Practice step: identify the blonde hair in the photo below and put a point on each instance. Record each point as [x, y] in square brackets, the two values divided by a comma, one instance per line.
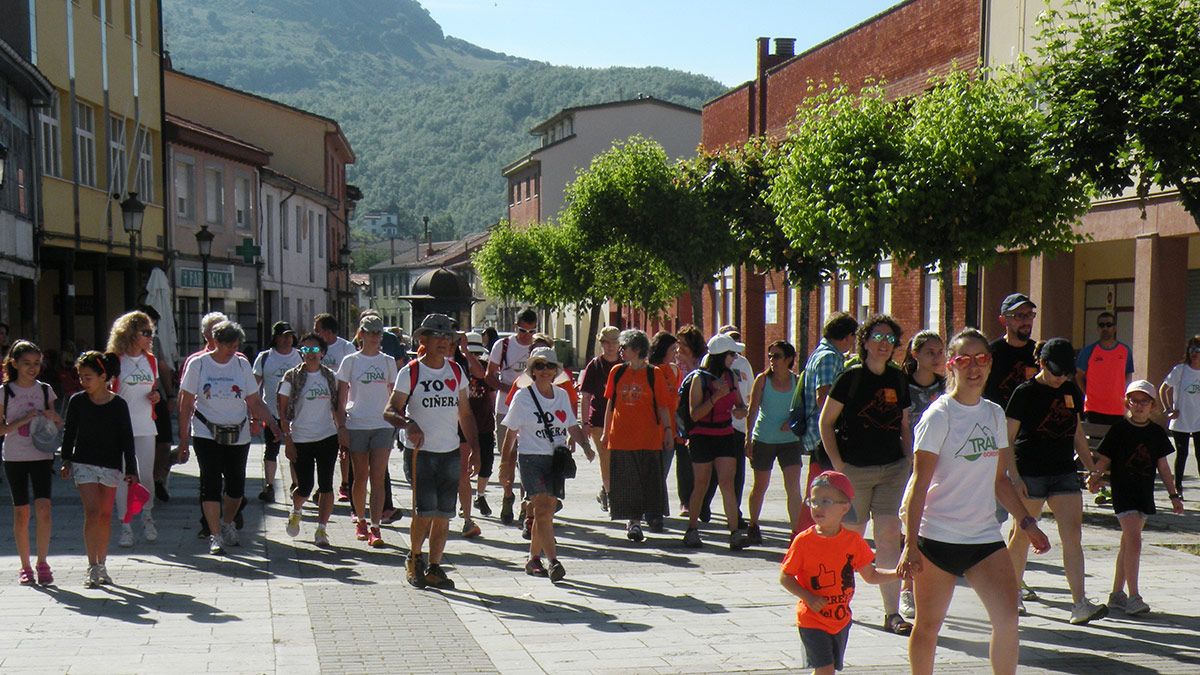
[123, 335]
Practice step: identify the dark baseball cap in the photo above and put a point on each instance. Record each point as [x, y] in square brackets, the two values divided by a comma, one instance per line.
[1059, 356]
[1014, 301]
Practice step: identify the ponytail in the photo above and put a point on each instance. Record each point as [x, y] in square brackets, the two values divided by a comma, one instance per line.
[106, 365]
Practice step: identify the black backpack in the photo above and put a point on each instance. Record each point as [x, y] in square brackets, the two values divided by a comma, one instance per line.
[683, 410]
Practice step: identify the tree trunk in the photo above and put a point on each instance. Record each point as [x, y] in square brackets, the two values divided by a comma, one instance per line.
[593, 330]
[948, 274]
[805, 308]
[697, 297]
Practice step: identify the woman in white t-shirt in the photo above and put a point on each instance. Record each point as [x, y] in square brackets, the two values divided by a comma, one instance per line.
[307, 404]
[365, 382]
[217, 396]
[269, 367]
[536, 411]
[132, 339]
[1180, 396]
[959, 445]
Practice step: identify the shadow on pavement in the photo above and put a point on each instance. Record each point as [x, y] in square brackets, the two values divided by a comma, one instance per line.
[638, 596]
[132, 605]
[550, 612]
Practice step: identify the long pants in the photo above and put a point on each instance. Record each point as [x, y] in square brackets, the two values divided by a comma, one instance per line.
[1181, 454]
[143, 449]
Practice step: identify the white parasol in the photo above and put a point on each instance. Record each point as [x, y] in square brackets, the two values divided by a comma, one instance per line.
[158, 296]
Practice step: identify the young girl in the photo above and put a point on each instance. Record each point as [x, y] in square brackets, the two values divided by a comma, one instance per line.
[770, 439]
[97, 443]
[1133, 449]
[925, 365]
[24, 399]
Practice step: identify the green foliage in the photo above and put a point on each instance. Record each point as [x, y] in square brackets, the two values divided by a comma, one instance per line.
[634, 276]
[1121, 82]
[431, 118]
[507, 263]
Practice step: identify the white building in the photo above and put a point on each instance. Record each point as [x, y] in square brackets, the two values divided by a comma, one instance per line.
[295, 250]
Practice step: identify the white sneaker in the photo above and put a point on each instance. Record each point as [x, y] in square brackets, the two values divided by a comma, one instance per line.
[1117, 600]
[1135, 606]
[149, 531]
[908, 609]
[293, 524]
[1021, 611]
[91, 581]
[321, 538]
[102, 575]
[215, 545]
[126, 539]
[1085, 610]
[229, 535]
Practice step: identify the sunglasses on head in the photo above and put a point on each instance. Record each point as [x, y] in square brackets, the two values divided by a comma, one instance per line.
[880, 337]
[310, 350]
[963, 361]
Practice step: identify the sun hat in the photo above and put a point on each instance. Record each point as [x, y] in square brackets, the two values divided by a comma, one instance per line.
[721, 344]
[436, 323]
[475, 344]
[608, 333]
[1142, 386]
[549, 356]
[371, 324]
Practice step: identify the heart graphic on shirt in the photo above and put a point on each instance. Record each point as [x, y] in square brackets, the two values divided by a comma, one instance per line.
[561, 415]
[451, 383]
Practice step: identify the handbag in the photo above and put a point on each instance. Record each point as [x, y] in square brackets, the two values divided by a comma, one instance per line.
[563, 463]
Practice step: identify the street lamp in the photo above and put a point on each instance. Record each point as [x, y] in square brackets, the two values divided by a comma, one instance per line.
[132, 212]
[345, 256]
[204, 240]
[3, 161]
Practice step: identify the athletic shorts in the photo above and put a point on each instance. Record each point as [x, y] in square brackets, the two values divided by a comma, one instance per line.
[765, 455]
[1041, 487]
[705, 449]
[436, 483]
[21, 475]
[362, 440]
[822, 649]
[878, 490]
[956, 559]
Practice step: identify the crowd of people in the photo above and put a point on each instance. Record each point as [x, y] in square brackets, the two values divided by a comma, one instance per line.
[903, 435]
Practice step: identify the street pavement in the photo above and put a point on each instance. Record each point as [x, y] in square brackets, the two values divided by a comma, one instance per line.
[278, 604]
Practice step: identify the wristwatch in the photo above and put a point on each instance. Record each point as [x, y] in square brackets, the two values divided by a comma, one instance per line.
[1027, 521]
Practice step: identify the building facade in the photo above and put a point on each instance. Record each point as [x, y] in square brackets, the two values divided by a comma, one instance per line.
[295, 240]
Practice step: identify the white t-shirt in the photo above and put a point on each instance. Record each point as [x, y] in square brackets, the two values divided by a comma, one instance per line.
[220, 391]
[336, 352]
[434, 403]
[270, 366]
[523, 418]
[137, 381]
[510, 368]
[960, 507]
[745, 375]
[314, 419]
[1186, 385]
[370, 379]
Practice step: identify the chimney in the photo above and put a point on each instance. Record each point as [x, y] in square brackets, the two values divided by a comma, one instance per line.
[785, 47]
[428, 236]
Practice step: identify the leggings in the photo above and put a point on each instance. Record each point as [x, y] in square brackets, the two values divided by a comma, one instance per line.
[221, 463]
[22, 474]
[271, 444]
[143, 450]
[684, 480]
[487, 452]
[320, 455]
[1181, 448]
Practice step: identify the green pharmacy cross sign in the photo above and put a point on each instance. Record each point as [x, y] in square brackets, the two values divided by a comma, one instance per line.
[248, 250]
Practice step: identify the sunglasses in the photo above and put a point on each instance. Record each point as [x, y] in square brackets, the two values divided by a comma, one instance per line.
[526, 331]
[542, 365]
[1107, 324]
[1023, 316]
[1194, 350]
[823, 503]
[880, 337]
[964, 361]
[436, 334]
[310, 350]
[146, 333]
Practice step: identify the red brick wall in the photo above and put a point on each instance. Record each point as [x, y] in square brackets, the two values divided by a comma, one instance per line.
[726, 120]
[526, 210]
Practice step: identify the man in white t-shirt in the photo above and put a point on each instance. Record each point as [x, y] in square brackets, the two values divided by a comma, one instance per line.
[431, 402]
[326, 326]
[269, 367]
[505, 365]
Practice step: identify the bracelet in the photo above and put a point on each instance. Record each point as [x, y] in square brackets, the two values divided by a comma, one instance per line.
[1027, 521]
[1174, 497]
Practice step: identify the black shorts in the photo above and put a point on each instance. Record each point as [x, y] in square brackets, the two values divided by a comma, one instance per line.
[705, 449]
[956, 559]
[162, 422]
[822, 649]
[1042, 487]
[20, 475]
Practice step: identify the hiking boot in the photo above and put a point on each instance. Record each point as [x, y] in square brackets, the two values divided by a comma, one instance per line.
[506, 509]
[482, 506]
[691, 538]
[267, 496]
[414, 571]
[470, 529]
[737, 540]
[535, 568]
[1135, 606]
[1086, 611]
[557, 571]
[656, 525]
[634, 532]
[754, 536]
[435, 576]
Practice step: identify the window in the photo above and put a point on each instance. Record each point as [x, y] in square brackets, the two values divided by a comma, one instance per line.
[283, 229]
[85, 145]
[51, 138]
[864, 302]
[826, 303]
[214, 195]
[844, 291]
[299, 311]
[321, 234]
[933, 299]
[185, 203]
[241, 201]
[794, 318]
[299, 229]
[145, 167]
[512, 194]
[116, 156]
[885, 286]
[771, 307]
[270, 211]
[129, 20]
[108, 15]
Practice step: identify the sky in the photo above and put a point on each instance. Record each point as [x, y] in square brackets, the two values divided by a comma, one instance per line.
[709, 37]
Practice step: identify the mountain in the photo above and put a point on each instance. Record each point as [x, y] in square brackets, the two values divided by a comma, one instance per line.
[432, 118]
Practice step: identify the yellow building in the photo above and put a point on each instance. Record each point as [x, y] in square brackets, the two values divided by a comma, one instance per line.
[100, 142]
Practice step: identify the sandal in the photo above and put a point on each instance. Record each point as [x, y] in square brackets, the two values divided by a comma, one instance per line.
[894, 623]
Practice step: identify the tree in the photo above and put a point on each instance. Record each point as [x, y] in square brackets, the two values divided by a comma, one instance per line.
[506, 263]
[1121, 85]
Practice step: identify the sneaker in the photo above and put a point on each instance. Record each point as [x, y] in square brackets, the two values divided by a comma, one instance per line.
[602, 498]
[527, 529]
[737, 540]
[375, 538]
[470, 529]
[705, 514]
[215, 545]
[1133, 607]
[435, 576]
[1118, 600]
[293, 524]
[1085, 610]
[160, 492]
[656, 525]
[414, 571]
[691, 538]
[1021, 611]
[102, 575]
[229, 534]
[482, 506]
[908, 608]
[44, 576]
[267, 496]
[149, 531]
[126, 538]
[557, 571]
[754, 535]
[25, 576]
[523, 513]
[535, 568]
[321, 537]
[506, 509]
[360, 530]
[1027, 593]
[343, 494]
[89, 580]
[634, 532]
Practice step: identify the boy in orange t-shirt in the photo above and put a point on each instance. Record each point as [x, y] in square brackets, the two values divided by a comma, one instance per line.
[819, 569]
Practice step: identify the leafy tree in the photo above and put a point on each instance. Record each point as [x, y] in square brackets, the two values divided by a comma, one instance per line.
[506, 263]
[1121, 82]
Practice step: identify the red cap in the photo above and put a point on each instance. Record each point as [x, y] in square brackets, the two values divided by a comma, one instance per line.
[839, 481]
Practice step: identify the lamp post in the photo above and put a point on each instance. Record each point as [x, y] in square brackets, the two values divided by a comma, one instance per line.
[132, 213]
[204, 240]
[3, 161]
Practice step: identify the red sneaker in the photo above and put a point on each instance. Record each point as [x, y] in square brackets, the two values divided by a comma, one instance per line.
[360, 530]
[375, 538]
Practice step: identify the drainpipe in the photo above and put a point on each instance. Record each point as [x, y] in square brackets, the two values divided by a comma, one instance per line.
[282, 209]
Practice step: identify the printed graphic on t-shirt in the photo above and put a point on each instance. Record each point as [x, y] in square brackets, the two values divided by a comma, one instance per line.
[882, 411]
[981, 442]
[1059, 422]
[631, 394]
[317, 391]
[139, 375]
[436, 393]
[220, 387]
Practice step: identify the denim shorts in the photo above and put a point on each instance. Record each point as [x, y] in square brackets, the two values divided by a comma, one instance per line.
[362, 440]
[537, 475]
[822, 649]
[436, 484]
[1041, 487]
[90, 473]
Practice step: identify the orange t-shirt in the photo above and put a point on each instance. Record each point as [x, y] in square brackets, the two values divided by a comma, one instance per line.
[826, 567]
[634, 426]
[668, 372]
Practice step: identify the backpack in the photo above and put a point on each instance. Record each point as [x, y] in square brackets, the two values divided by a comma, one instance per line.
[797, 419]
[683, 410]
[649, 380]
[296, 377]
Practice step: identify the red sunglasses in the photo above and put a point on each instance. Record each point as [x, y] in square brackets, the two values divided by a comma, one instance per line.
[964, 361]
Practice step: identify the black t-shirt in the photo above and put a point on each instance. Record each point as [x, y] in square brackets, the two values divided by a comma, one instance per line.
[1010, 367]
[1134, 452]
[101, 435]
[595, 378]
[1045, 444]
[869, 426]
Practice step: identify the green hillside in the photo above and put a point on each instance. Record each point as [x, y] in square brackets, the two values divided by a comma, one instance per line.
[431, 118]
